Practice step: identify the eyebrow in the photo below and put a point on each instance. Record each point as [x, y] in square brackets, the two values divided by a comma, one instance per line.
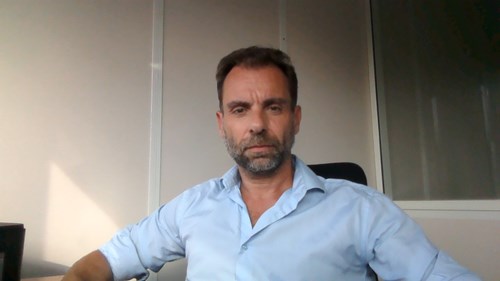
[280, 101]
[266, 102]
[233, 104]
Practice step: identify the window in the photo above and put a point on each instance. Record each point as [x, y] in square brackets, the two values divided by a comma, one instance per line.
[437, 69]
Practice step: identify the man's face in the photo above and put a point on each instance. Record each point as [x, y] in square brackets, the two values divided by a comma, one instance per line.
[257, 121]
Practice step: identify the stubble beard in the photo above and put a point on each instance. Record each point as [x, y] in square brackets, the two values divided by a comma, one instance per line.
[260, 163]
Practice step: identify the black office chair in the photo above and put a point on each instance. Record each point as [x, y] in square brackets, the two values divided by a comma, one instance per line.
[340, 170]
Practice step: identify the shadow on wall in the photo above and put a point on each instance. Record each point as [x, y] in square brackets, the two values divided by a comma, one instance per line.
[174, 271]
[36, 268]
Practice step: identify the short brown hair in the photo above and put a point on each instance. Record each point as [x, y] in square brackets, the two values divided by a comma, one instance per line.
[255, 57]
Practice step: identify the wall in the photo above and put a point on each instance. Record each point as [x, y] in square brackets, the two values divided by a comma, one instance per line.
[74, 123]
[469, 237]
[333, 82]
[328, 42]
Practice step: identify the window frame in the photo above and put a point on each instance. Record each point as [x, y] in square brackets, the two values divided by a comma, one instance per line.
[462, 208]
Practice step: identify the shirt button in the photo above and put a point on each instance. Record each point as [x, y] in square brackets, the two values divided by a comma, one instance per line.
[244, 247]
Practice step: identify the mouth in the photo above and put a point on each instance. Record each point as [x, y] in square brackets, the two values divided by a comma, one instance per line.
[260, 147]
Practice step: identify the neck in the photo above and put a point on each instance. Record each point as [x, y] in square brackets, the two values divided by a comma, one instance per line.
[267, 186]
[261, 192]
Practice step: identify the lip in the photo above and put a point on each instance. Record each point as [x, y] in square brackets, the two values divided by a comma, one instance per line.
[259, 147]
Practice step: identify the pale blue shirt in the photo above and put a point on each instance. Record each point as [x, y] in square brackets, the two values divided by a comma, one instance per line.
[319, 229]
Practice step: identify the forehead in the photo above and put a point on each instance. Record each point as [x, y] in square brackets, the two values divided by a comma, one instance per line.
[242, 83]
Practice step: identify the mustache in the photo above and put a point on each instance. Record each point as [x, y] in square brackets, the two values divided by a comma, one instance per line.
[258, 140]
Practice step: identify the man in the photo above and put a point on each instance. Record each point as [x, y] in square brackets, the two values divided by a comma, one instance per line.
[270, 217]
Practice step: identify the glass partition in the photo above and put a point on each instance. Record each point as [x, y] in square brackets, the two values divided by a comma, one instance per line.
[437, 66]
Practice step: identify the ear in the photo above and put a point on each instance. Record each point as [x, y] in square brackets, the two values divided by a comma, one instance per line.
[297, 115]
[220, 123]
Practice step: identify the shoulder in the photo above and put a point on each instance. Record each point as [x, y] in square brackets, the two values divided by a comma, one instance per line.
[361, 199]
[209, 190]
[202, 197]
[351, 190]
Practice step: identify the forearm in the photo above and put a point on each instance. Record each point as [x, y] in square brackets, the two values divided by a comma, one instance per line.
[92, 267]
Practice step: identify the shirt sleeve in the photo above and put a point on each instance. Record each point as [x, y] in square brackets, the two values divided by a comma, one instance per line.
[445, 267]
[148, 244]
[398, 249]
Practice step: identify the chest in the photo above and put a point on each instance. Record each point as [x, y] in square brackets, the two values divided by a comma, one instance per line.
[283, 245]
[256, 208]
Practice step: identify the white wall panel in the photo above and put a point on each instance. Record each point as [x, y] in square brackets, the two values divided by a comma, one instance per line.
[74, 122]
[328, 42]
[197, 35]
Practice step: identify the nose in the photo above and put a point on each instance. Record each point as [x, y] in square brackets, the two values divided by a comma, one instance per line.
[258, 123]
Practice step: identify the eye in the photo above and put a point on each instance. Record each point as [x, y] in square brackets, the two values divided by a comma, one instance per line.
[276, 108]
[238, 110]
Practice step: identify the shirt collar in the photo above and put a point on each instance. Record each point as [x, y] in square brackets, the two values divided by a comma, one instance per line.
[231, 178]
[304, 178]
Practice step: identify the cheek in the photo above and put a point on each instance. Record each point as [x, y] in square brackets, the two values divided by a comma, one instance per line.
[282, 128]
[233, 132]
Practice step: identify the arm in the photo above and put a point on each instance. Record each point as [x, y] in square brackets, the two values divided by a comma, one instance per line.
[399, 249]
[133, 250]
[93, 266]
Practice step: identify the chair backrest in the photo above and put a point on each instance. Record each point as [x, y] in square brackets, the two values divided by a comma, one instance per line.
[340, 170]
